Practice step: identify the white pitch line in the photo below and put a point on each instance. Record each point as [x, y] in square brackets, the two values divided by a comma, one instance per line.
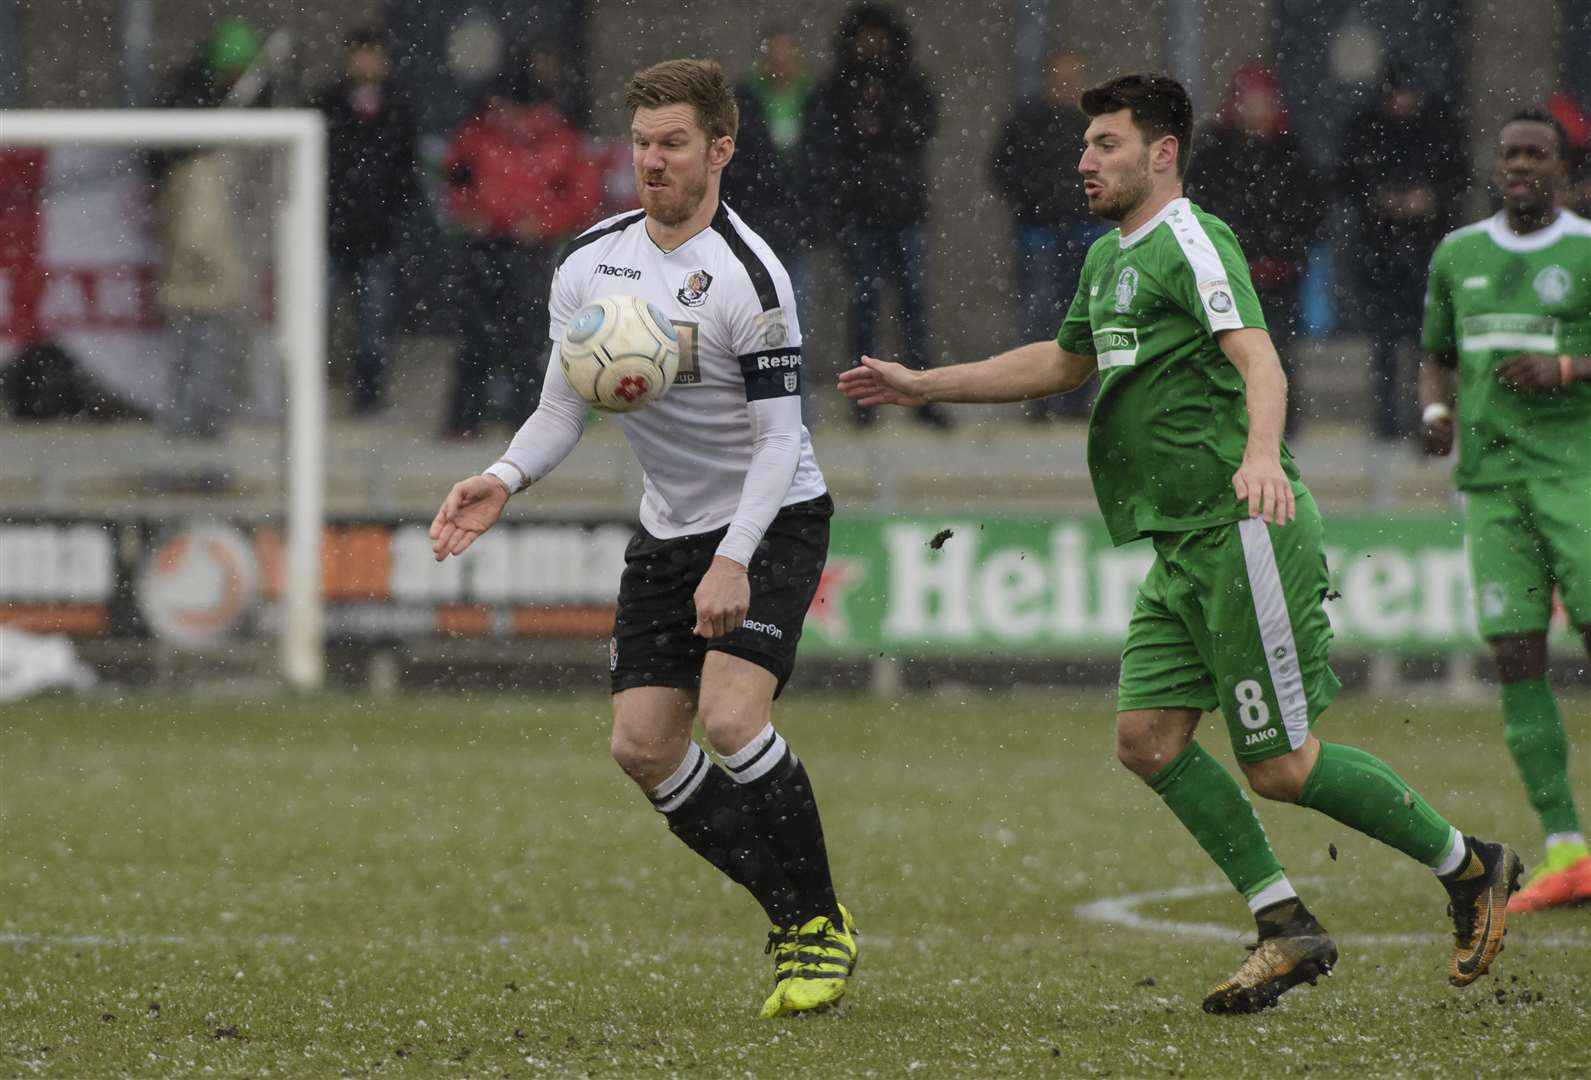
[1112, 910]
[1123, 911]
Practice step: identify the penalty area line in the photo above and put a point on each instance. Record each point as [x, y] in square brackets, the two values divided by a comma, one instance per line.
[1124, 911]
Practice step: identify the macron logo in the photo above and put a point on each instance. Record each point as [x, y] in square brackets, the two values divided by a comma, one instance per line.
[618, 271]
[763, 628]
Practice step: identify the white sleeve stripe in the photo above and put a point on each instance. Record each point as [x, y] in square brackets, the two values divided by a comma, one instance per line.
[1207, 270]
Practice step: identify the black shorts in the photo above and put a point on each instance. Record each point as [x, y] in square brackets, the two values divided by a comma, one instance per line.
[653, 643]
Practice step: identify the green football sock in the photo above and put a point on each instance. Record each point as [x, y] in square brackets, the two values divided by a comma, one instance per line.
[1361, 791]
[1214, 809]
[1534, 734]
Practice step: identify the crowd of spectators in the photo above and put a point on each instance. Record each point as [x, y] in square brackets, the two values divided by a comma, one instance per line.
[843, 159]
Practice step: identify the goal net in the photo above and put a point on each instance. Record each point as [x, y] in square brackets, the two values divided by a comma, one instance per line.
[164, 528]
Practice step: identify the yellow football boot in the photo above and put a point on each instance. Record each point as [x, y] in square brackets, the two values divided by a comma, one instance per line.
[812, 964]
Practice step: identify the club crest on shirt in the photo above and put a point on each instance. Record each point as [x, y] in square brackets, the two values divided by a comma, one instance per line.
[1126, 289]
[1552, 285]
[694, 292]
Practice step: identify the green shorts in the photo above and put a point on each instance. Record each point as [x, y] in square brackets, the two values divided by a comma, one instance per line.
[1231, 617]
[1524, 538]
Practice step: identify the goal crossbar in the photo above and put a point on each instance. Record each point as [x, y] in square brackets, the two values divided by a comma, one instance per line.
[300, 272]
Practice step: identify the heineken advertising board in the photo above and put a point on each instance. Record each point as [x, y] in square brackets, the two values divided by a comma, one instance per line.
[1056, 585]
[1035, 586]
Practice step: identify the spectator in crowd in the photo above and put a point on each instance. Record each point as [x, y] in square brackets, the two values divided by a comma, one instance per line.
[1251, 173]
[1569, 111]
[870, 126]
[370, 151]
[1402, 167]
[518, 181]
[203, 276]
[767, 182]
[1049, 212]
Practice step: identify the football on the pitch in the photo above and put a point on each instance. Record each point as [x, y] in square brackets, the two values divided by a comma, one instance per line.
[620, 353]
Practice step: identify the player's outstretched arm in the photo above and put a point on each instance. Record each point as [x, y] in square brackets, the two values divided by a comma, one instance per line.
[1260, 480]
[472, 507]
[1438, 399]
[1030, 371]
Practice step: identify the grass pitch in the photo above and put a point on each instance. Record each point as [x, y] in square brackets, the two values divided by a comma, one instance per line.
[452, 886]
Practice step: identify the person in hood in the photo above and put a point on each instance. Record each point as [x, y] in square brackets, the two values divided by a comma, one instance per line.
[370, 151]
[518, 181]
[205, 280]
[1252, 174]
[1402, 167]
[872, 121]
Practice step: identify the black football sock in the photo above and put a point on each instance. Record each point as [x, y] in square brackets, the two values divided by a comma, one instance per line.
[707, 810]
[775, 785]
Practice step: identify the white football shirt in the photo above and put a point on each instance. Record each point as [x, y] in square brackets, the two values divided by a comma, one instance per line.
[725, 445]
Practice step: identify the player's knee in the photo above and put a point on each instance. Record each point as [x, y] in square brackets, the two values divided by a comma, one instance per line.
[646, 761]
[1143, 751]
[729, 726]
[1280, 779]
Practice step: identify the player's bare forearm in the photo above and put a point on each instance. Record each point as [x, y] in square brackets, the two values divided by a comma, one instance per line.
[1260, 480]
[1251, 352]
[1029, 371]
[1438, 398]
[1438, 380]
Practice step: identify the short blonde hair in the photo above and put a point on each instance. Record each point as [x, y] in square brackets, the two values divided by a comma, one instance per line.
[699, 83]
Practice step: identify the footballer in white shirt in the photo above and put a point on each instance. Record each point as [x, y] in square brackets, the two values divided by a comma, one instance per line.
[734, 524]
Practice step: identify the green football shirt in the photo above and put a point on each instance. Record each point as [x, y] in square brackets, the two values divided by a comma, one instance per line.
[1170, 424]
[1492, 295]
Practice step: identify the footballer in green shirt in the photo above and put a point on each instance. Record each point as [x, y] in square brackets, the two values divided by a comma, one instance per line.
[1185, 450]
[1508, 346]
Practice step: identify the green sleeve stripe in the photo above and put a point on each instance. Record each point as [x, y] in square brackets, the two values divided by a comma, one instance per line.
[1209, 273]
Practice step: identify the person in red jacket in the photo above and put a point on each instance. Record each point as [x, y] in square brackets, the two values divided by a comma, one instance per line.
[518, 181]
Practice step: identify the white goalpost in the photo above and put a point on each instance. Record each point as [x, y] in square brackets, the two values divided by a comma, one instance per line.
[300, 276]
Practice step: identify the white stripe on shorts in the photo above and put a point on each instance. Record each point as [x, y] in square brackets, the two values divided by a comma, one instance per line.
[1276, 630]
